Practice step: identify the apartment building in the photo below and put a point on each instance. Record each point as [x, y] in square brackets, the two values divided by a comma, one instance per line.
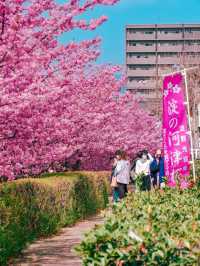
[156, 49]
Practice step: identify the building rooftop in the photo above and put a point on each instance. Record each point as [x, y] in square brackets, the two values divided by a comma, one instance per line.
[161, 26]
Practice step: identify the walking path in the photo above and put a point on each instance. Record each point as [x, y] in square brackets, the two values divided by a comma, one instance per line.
[58, 250]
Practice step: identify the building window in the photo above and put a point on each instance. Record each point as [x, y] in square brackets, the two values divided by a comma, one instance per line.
[131, 43]
[170, 31]
[169, 43]
[146, 68]
[140, 79]
[148, 44]
[167, 54]
[195, 30]
[193, 55]
[145, 91]
[141, 55]
[131, 31]
[141, 67]
[148, 32]
[192, 30]
[130, 55]
[132, 67]
[190, 43]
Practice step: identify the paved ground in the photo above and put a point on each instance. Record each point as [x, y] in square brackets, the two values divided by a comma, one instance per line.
[58, 250]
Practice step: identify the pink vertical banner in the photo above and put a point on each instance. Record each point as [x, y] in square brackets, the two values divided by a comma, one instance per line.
[176, 139]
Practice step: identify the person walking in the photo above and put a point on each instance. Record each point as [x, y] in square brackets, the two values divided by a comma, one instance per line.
[143, 168]
[114, 188]
[157, 169]
[122, 173]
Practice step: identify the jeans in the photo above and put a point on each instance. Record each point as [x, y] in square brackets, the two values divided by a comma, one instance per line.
[122, 190]
[156, 180]
[115, 194]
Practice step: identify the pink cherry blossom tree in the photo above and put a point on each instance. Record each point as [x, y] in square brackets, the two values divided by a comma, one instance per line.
[55, 104]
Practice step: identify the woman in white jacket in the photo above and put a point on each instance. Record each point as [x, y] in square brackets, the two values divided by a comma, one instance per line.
[143, 168]
[122, 173]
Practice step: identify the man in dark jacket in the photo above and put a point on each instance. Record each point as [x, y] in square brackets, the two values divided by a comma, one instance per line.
[157, 169]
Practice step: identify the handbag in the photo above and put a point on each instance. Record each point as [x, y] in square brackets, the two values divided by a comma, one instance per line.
[114, 182]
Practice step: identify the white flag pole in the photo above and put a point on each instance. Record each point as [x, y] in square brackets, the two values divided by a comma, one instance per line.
[189, 123]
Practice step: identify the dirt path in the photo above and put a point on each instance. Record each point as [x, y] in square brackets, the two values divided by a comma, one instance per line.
[58, 250]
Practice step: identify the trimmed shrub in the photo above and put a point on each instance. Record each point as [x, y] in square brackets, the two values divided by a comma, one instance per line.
[158, 228]
[197, 168]
[30, 208]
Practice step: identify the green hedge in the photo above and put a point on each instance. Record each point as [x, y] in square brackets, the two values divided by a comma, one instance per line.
[160, 228]
[30, 208]
[197, 167]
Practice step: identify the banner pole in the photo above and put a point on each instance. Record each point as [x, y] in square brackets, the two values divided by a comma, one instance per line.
[189, 123]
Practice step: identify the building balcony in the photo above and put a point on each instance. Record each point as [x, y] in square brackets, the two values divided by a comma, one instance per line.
[191, 48]
[170, 48]
[174, 60]
[191, 59]
[140, 36]
[141, 72]
[169, 36]
[147, 96]
[137, 85]
[145, 93]
[192, 35]
[144, 61]
[141, 48]
[165, 70]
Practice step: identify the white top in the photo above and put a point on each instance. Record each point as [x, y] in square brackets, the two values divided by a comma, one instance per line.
[143, 166]
[122, 172]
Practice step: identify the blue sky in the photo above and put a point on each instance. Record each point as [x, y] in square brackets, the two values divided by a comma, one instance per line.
[126, 12]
